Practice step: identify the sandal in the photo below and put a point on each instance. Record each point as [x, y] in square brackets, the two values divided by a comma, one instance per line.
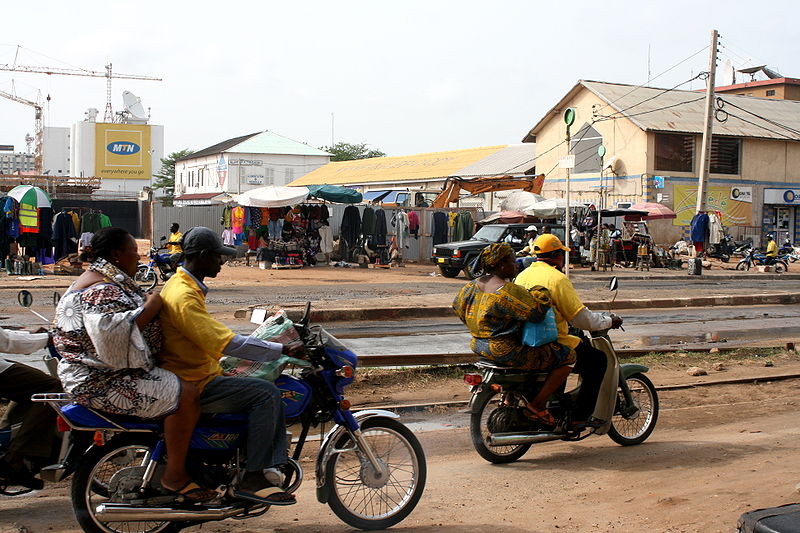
[539, 415]
[192, 492]
[270, 495]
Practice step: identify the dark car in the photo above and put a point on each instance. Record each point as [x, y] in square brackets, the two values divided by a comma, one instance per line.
[453, 257]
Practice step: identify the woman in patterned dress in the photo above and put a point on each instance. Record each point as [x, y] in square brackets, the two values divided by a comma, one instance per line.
[495, 310]
[107, 331]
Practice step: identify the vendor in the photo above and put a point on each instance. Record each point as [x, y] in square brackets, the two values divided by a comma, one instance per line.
[525, 256]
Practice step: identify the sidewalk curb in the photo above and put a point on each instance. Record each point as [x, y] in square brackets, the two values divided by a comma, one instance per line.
[394, 313]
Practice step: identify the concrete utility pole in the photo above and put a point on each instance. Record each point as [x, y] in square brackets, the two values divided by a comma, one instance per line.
[569, 120]
[705, 155]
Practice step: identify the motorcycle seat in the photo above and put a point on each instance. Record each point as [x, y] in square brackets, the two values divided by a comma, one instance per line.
[87, 418]
[491, 365]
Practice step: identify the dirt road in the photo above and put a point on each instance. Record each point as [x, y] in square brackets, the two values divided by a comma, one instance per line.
[713, 456]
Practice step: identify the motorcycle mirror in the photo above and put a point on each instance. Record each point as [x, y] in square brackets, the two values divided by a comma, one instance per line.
[613, 284]
[25, 298]
[303, 322]
[163, 238]
[56, 298]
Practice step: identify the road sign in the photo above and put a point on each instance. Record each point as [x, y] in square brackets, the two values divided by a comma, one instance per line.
[567, 161]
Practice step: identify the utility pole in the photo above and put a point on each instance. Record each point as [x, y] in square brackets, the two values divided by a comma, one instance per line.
[569, 120]
[705, 155]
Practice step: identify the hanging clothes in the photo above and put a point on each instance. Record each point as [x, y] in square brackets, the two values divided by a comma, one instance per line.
[324, 213]
[255, 217]
[699, 227]
[380, 227]
[413, 224]
[439, 227]
[28, 218]
[237, 220]
[715, 234]
[400, 225]
[65, 238]
[76, 221]
[227, 237]
[325, 239]
[104, 221]
[368, 224]
[90, 223]
[351, 227]
[226, 217]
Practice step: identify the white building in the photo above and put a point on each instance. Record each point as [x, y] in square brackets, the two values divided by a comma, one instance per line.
[12, 162]
[56, 151]
[243, 163]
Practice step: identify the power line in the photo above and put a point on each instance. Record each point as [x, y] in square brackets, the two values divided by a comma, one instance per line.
[728, 114]
[601, 119]
[663, 92]
[721, 101]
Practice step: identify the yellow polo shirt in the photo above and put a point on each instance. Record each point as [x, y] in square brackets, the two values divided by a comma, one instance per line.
[566, 303]
[174, 248]
[193, 340]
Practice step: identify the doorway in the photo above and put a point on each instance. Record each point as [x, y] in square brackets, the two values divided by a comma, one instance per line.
[784, 224]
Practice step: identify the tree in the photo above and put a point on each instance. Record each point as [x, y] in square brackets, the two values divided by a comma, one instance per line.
[348, 151]
[165, 179]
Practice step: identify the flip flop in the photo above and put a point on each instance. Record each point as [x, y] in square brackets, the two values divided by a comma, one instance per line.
[539, 415]
[192, 492]
[270, 495]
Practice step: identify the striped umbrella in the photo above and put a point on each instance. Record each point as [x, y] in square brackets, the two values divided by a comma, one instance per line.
[30, 195]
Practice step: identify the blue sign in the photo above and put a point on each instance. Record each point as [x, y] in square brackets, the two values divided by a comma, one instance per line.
[789, 196]
[658, 182]
[123, 148]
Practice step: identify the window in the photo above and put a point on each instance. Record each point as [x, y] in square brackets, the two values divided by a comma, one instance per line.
[583, 145]
[724, 155]
[269, 176]
[289, 175]
[674, 152]
[771, 92]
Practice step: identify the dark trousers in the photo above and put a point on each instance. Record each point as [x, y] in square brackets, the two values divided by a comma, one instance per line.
[35, 437]
[591, 365]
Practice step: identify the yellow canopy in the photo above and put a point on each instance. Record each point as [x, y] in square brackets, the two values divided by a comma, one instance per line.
[399, 168]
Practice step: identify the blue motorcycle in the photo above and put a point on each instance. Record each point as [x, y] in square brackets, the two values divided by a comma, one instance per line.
[161, 265]
[370, 468]
[753, 258]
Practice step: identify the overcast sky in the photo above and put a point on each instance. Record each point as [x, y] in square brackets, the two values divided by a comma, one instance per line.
[406, 77]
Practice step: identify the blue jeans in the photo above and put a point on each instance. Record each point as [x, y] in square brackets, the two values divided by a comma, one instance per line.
[275, 227]
[261, 400]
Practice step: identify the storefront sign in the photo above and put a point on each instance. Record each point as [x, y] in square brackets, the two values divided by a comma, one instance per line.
[742, 194]
[718, 198]
[122, 151]
[782, 196]
[222, 171]
[658, 182]
[248, 162]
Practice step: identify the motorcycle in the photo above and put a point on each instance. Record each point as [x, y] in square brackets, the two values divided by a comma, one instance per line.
[160, 266]
[370, 468]
[740, 247]
[791, 251]
[721, 250]
[68, 447]
[501, 433]
[752, 258]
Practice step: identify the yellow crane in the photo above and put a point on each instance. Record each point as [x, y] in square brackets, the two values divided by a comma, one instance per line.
[39, 135]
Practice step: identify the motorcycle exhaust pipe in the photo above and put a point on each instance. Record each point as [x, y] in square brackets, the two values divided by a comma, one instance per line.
[120, 512]
[507, 439]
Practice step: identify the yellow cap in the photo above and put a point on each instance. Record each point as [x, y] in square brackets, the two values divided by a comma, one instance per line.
[548, 243]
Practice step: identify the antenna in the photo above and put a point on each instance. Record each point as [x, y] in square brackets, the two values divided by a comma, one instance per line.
[134, 110]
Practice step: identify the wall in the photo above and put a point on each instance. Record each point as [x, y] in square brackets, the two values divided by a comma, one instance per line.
[56, 152]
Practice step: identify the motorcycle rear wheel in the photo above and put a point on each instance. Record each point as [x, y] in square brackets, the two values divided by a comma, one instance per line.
[635, 429]
[781, 267]
[145, 277]
[364, 501]
[90, 486]
[479, 431]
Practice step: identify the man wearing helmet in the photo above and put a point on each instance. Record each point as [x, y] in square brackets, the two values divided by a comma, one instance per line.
[772, 250]
[568, 308]
[526, 254]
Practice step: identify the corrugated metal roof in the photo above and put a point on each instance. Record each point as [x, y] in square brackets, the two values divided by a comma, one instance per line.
[265, 142]
[513, 159]
[653, 109]
[268, 142]
[397, 168]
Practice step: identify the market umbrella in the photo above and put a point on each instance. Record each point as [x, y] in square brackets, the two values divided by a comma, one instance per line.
[553, 208]
[272, 196]
[520, 201]
[30, 195]
[335, 193]
[506, 217]
[654, 210]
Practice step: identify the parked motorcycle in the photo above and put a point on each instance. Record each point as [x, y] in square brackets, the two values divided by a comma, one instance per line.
[370, 468]
[753, 258]
[160, 266]
[740, 247]
[68, 447]
[791, 251]
[501, 433]
[721, 250]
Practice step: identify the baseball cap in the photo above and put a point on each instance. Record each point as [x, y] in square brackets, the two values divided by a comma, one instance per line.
[200, 238]
[532, 228]
[548, 243]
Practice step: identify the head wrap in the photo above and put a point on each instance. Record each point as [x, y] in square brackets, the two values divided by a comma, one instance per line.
[493, 255]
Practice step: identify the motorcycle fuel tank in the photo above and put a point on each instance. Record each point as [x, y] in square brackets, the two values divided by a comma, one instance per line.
[295, 394]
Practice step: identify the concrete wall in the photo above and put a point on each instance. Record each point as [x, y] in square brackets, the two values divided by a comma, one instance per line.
[56, 152]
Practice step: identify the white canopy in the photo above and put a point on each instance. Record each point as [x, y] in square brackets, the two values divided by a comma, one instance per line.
[555, 207]
[520, 201]
[272, 196]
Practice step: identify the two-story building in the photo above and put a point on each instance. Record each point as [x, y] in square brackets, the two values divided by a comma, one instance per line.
[652, 140]
[242, 163]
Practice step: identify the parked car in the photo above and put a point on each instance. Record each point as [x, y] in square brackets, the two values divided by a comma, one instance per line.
[453, 257]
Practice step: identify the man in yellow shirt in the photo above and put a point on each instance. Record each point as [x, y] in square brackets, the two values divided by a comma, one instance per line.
[194, 342]
[568, 308]
[174, 242]
[772, 250]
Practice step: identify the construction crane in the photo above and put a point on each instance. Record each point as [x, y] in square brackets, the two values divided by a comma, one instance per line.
[39, 134]
[108, 74]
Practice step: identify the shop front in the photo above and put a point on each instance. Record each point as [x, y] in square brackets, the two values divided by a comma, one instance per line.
[781, 212]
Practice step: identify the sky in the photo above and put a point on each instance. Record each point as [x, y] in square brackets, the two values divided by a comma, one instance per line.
[404, 77]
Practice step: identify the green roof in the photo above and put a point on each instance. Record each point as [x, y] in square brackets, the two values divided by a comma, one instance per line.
[272, 143]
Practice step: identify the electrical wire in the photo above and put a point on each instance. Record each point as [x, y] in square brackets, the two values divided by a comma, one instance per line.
[721, 102]
[663, 92]
[652, 110]
[729, 114]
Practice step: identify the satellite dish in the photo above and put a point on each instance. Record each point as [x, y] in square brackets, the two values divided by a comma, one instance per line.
[133, 105]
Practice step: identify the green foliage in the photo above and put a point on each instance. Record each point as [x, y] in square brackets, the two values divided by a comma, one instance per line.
[165, 179]
[349, 152]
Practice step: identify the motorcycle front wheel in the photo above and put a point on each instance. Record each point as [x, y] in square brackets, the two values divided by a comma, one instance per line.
[742, 265]
[106, 472]
[626, 428]
[364, 500]
[145, 278]
[479, 431]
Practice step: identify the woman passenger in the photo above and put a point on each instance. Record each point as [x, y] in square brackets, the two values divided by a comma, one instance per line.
[495, 310]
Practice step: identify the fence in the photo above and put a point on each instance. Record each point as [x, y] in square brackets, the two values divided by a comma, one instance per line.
[210, 216]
